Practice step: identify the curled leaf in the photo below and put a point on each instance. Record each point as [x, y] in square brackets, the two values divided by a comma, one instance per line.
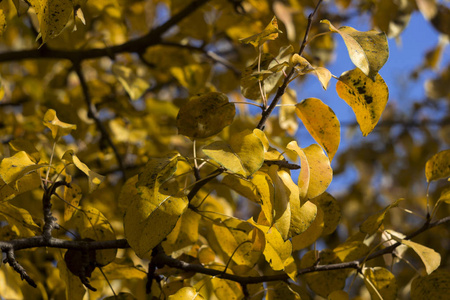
[94, 178]
[269, 33]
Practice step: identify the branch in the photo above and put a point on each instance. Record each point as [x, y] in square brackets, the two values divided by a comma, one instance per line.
[212, 55]
[93, 114]
[135, 46]
[11, 260]
[282, 89]
[199, 184]
[49, 219]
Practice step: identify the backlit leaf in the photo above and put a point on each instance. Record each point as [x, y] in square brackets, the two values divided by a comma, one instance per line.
[323, 283]
[433, 286]
[244, 155]
[438, 166]
[430, 258]
[321, 123]
[380, 282]
[320, 170]
[131, 82]
[287, 118]
[365, 96]
[445, 196]
[368, 50]
[303, 67]
[2, 24]
[269, 33]
[152, 216]
[57, 127]
[205, 115]
[94, 178]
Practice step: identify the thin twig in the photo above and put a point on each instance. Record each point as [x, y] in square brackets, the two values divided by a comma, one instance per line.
[11, 260]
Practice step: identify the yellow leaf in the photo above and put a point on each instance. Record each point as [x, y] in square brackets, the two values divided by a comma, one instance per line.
[186, 293]
[304, 176]
[368, 50]
[133, 85]
[2, 24]
[150, 217]
[331, 211]
[244, 187]
[244, 155]
[276, 250]
[94, 178]
[192, 76]
[338, 295]
[351, 250]
[372, 223]
[119, 269]
[320, 170]
[310, 235]
[430, 258]
[184, 234]
[323, 283]
[233, 238]
[216, 288]
[264, 185]
[444, 197]
[90, 223]
[281, 291]
[435, 286]
[17, 166]
[206, 255]
[303, 67]
[72, 196]
[365, 96]
[205, 115]
[120, 296]
[287, 118]
[57, 127]
[28, 147]
[269, 33]
[321, 123]
[24, 184]
[281, 204]
[381, 283]
[128, 193]
[438, 166]
[20, 220]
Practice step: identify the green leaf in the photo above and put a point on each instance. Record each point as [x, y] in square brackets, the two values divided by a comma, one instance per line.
[269, 33]
[205, 115]
[381, 283]
[321, 123]
[438, 166]
[151, 217]
[368, 50]
[365, 96]
[133, 84]
[94, 178]
[323, 283]
[244, 155]
[435, 286]
[57, 127]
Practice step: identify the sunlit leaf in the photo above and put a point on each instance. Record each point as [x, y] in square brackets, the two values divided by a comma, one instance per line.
[205, 115]
[430, 258]
[53, 16]
[381, 283]
[305, 172]
[121, 296]
[244, 155]
[303, 67]
[287, 118]
[321, 123]
[131, 82]
[184, 234]
[365, 96]
[233, 237]
[152, 216]
[433, 286]
[17, 166]
[368, 50]
[281, 205]
[244, 187]
[269, 33]
[57, 127]
[310, 235]
[323, 283]
[94, 178]
[438, 166]
[321, 173]
[265, 187]
[186, 293]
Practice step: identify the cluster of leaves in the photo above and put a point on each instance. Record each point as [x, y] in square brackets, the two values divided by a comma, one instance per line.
[195, 185]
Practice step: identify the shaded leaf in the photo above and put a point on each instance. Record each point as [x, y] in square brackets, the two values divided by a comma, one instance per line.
[244, 187]
[244, 155]
[269, 33]
[186, 293]
[445, 196]
[205, 115]
[184, 234]
[351, 250]
[338, 295]
[287, 118]
[19, 219]
[72, 196]
[281, 291]
[372, 223]
[133, 84]
[28, 147]
[94, 178]
[365, 96]
[57, 127]
[310, 235]
[331, 211]
[381, 283]
[438, 166]
[321, 123]
[434, 286]
[368, 50]
[430, 258]
[323, 283]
